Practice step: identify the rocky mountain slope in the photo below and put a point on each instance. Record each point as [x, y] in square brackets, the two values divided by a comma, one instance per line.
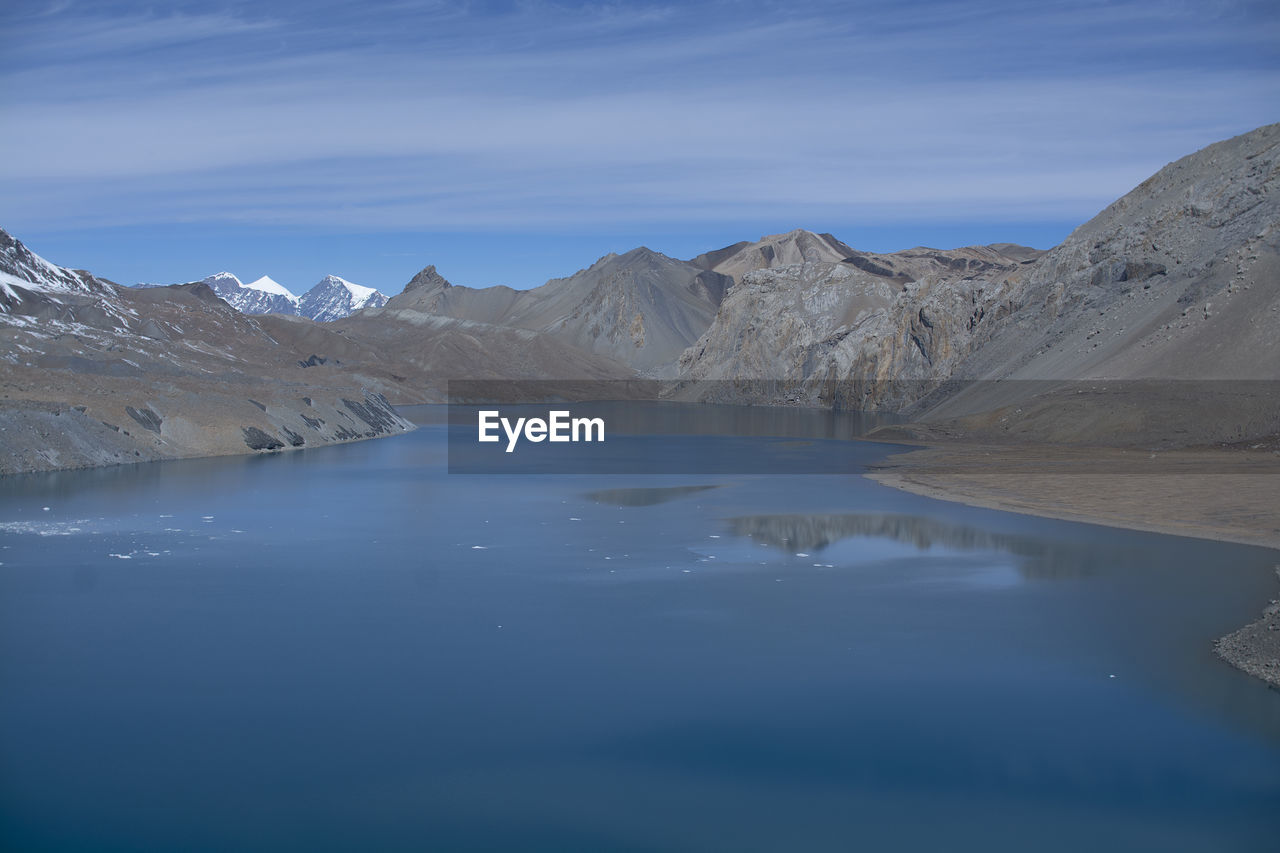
[1171, 295]
[1178, 280]
[640, 309]
[25, 277]
[433, 349]
[92, 373]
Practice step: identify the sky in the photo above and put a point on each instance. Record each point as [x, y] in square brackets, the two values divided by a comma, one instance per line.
[510, 142]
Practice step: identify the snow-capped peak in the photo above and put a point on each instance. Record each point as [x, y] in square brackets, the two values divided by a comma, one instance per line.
[224, 278]
[359, 292]
[334, 297]
[263, 296]
[269, 285]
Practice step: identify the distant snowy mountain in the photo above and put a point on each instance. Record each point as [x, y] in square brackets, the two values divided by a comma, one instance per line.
[331, 299]
[334, 298]
[264, 296]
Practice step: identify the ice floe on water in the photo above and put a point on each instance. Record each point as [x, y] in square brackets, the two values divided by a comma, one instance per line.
[47, 528]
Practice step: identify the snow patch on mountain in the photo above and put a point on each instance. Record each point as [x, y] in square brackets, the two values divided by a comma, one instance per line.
[269, 285]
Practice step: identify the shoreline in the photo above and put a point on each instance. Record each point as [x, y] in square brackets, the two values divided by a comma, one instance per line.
[1222, 495]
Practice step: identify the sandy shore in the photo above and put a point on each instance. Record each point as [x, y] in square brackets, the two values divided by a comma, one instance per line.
[1228, 495]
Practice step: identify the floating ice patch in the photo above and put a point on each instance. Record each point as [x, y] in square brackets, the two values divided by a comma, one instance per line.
[44, 528]
[121, 556]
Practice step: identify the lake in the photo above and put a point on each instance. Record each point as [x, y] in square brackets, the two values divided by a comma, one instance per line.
[351, 648]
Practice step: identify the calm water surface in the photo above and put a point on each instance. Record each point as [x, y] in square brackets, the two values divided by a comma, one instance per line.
[349, 648]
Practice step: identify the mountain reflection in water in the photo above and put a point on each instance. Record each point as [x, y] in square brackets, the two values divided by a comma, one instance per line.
[1043, 559]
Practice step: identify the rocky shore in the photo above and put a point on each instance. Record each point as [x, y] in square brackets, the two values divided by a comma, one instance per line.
[1224, 494]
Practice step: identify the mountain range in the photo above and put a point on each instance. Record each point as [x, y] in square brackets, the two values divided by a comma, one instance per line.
[332, 298]
[1177, 280]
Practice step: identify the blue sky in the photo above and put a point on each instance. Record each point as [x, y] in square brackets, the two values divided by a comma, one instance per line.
[510, 142]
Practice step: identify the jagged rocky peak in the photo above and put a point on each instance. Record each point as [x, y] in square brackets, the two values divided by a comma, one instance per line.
[428, 279]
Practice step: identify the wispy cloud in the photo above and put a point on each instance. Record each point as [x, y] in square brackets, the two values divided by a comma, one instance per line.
[526, 114]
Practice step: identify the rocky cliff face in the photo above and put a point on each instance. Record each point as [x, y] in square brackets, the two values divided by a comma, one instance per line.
[837, 333]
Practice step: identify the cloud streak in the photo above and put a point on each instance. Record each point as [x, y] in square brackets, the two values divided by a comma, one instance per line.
[531, 114]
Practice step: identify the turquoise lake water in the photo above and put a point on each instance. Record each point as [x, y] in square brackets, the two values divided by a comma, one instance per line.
[350, 648]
